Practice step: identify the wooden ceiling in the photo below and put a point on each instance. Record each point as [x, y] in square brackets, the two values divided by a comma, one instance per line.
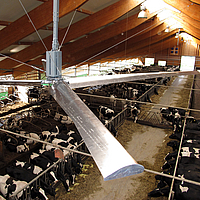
[100, 31]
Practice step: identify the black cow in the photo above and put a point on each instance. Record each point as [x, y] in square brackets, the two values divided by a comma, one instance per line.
[185, 191]
[33, 93]
[166, 114]
[169, 156]
[159, 192]
[174, 144]
[192, 134]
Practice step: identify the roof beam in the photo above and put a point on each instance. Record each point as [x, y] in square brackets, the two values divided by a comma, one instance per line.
[187, 7]
[189, 28]
[87, 12]
[104, 34]
[138, 34]
[195, 1]
[82, 27]
[41, 16]
[145, 51]
[187, 19]
[120, 27]
[5, 23]
[43, 0]
[140, 44]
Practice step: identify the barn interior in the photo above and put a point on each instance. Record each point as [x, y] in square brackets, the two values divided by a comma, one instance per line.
[100, 38]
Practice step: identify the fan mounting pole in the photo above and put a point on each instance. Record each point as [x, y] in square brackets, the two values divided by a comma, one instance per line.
[54, 57]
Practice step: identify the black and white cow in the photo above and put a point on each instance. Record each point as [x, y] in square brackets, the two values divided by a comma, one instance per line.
[106, 112]
[63, 118]
[135, 110]
[43, 162]
[9, 186]
[185, 191]
[166, 114]
[158, 192]
[15, 144]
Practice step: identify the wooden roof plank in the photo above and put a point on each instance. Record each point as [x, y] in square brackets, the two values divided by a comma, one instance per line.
[187, 7]
[40, 16]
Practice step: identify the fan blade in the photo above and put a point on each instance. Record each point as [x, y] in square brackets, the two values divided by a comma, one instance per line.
[118, 78]
[111, 158]
[21, 82]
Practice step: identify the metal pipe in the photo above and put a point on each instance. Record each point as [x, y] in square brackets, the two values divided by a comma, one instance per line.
[55, 44]
[172, 177]
[139, 102]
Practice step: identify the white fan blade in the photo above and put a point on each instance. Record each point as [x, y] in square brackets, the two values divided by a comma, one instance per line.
[110, 156]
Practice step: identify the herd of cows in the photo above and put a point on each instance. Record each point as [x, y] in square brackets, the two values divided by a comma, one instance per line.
[188, 159]
[19, 173]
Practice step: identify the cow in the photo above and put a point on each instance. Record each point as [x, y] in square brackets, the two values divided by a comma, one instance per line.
[134, 112]
[105, 112]
[166, 114]
[15, 144]
[159, 192]
[43, 162]
[169, 156]
[185, 191]
[34, 169]
[23, 174]
[168, 164]
[32, 135]
[192, 134]
[9, 186]
[34, 93]
[174, 144]
[63, 118]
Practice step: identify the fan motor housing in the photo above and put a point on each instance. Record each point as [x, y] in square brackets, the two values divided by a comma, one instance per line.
[53, 65]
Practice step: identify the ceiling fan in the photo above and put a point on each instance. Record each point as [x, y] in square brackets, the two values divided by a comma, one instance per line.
[111, 158]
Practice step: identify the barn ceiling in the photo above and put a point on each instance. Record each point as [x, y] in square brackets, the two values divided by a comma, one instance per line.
[90, 30]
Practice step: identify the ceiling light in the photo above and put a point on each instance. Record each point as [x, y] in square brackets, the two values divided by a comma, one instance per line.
[176, 36]
[167, 30]
[142, 13]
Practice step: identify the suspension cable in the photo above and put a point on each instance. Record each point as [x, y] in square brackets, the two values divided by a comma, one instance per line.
[67, 30]
[120, 42]
[33, 25]
[22, 62]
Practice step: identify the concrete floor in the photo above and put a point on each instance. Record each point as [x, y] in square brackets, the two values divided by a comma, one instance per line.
[170, 95]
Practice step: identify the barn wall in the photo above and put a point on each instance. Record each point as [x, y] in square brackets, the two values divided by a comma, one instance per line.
[173, 54]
